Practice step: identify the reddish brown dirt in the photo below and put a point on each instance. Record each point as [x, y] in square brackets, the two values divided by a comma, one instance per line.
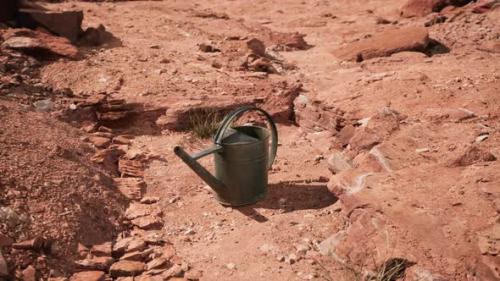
[416, 132]
[50, 189]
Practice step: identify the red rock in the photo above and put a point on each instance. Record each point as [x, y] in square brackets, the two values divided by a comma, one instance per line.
[89, 127]
[88, 276]
[63, 23]
[108, 157]
[193, 275]
[82, 250]
[174, 271]
[473, 155]
[337, 163]
[132, 188]
[129, 244]
[95, 36]
[132, 168]
[148, 222]
[100, 142]
[57, 279]
[348, 182]
[122, 140]
[126, 268]
[137, 244]
[95, 263]
[280, 104]
[364, 139]
[262, 65]
[112, 115]
[208, 48]
[485, 6]
[489, 241]
[289, 41]
[137, 255]
[136, 210]
[368, 162]
[103, 249]
[420, 8]
[30, 274]
[38, 43]
[386, 43]
[103, 134]
[449, 114]
[345, 135]
[150, 276]
[157, 263]
[312, 116]
[488, 268]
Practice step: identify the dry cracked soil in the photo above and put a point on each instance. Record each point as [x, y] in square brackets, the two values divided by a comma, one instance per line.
[389, 134]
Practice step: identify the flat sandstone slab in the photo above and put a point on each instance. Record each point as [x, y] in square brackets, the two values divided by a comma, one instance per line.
[385, 44]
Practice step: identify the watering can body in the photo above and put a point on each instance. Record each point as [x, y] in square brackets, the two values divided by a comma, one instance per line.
[242, 157]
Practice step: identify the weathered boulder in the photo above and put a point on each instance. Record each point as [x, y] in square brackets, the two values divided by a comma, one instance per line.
[386, 43]
[63, 23]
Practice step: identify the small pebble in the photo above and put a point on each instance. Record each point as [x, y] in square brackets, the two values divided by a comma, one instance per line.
[422, 150]
[231, 266]
[482, 138]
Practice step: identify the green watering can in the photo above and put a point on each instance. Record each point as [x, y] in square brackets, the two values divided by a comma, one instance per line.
[242, 158]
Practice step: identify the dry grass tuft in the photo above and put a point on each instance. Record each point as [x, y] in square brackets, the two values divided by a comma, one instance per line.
[203, 123]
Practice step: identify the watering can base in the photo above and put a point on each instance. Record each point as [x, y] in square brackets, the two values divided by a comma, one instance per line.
[241, 203]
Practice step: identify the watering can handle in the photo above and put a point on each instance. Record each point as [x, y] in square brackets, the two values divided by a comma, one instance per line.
[228, 120]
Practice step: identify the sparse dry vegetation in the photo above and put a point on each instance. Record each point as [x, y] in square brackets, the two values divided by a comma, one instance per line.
[203, 123]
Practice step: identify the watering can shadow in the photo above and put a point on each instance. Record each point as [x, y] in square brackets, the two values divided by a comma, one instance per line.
[242, 157]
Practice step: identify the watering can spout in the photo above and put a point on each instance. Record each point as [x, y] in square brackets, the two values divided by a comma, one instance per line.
[205, 175]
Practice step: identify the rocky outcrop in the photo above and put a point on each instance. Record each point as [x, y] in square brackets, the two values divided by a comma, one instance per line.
[38, 43]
